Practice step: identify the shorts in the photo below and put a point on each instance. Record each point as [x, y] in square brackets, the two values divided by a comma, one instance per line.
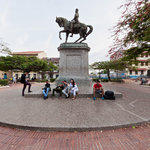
[99, 91]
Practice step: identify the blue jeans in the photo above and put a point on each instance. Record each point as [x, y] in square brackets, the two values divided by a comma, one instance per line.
[45, 92]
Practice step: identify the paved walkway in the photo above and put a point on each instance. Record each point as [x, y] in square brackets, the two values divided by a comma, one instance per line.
[120, 139]
[67, 114]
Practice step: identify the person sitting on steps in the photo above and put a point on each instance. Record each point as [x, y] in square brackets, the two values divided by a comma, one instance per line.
[97, 89]
[58, 89]
[66, 89]
[46, 89]
[73, 88]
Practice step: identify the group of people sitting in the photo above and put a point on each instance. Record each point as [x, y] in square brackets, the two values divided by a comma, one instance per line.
[71, 88]
[64, 88]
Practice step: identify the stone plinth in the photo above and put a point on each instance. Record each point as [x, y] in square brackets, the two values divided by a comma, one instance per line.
[74, 64]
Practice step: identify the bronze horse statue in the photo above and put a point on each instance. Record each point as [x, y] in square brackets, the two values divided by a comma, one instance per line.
[78, 28]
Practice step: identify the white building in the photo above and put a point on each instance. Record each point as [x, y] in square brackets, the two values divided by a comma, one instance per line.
[142, 66]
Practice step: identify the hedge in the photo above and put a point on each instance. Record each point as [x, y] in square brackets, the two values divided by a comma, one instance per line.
[52, 79]
[3, 82]
[106, 80]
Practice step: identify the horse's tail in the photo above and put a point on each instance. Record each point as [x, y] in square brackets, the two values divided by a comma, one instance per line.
[90, 31]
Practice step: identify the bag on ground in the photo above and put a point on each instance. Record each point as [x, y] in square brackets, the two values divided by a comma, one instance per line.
[109, 95]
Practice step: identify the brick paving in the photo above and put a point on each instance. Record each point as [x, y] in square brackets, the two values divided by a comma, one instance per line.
[137, 138]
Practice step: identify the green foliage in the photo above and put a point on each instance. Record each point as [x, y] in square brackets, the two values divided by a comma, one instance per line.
[3, 82]
[95, 79]
[133, 30]
[23, 63]
[116, 65]
[104, 80]
[52, 79]
[117, 80]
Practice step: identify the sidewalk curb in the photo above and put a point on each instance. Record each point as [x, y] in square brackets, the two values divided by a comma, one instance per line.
[1, 87]
[55, 129]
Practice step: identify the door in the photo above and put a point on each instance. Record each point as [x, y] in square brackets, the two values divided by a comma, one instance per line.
[148, 73]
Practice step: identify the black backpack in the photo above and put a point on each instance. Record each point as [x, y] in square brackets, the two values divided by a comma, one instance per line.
[109, 95]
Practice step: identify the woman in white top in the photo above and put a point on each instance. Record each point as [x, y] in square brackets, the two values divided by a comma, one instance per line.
[73, 88]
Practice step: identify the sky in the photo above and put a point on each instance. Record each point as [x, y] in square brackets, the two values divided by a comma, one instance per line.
[29, 25]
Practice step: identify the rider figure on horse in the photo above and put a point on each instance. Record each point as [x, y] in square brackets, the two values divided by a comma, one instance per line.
[74, 21]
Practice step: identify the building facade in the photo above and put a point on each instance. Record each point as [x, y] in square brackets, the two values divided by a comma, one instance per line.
[142, 66]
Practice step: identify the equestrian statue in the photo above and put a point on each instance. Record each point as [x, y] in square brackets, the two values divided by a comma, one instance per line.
[74, 27]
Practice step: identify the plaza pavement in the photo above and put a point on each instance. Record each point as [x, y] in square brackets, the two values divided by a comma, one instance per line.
[81, 114]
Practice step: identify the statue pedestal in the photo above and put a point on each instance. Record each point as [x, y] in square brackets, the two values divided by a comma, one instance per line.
[74, 65]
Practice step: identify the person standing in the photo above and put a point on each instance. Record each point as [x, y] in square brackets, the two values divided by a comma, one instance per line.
[5, 76]
[14, 79]
[25, 82]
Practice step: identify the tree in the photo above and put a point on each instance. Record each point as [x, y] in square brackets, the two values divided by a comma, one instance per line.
[132, 32]
[107, 65]
[51, 69]
[117, 65]
[4, 48]
[23, 63]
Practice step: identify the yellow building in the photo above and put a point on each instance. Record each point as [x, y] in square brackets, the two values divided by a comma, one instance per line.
[39, 54]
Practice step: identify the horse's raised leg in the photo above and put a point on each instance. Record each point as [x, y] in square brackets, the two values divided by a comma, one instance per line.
[78, 39]
[67, 34]
[83, 40]
[60, 33]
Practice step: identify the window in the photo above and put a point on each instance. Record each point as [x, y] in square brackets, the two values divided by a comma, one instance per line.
[146, 63]
[142, 71]
[136, 72]
[130, 72]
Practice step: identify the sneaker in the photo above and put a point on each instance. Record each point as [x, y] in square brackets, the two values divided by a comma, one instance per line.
[102, 98]
[29, 91]
[44, 97]
[94, 98]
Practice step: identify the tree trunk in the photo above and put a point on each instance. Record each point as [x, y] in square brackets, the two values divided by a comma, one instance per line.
[108, 74]
[42, 74]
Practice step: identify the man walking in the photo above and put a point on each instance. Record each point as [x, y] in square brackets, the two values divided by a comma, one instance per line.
[25, 83]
